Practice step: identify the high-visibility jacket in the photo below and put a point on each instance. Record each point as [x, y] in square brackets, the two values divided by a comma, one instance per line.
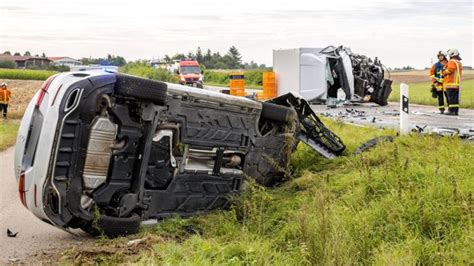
[436, 74]
[5, 95]
[452, 74]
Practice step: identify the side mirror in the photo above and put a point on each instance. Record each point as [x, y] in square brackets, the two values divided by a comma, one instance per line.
[202, 71]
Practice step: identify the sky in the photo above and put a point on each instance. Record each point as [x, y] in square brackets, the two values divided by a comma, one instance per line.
[399, 32]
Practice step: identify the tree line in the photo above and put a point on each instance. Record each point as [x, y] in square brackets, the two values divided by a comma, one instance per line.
[208, 59]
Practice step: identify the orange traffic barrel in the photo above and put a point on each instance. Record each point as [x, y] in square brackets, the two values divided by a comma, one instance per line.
[269, 85]
[237, 84]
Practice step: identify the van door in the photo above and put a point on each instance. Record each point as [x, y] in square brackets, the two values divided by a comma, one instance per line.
[313, 85]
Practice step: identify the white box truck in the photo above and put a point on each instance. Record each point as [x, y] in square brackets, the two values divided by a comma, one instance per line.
[317, 74]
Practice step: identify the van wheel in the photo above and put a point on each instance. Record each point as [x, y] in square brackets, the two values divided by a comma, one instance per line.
[141, 88]
[113, 226]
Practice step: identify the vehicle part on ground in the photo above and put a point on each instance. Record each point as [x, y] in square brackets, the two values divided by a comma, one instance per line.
[118, 150]
[372, 143]
[313, 132]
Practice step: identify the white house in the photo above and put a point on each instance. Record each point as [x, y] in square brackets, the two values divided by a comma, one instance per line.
[64, 61]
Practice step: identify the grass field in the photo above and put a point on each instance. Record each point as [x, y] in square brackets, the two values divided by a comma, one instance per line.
[402, 203]
[420, 93]
[8, 130]
[25, 74]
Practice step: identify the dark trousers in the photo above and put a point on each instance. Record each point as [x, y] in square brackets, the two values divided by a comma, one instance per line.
[441, 96]
[453, 100]
[4, 109]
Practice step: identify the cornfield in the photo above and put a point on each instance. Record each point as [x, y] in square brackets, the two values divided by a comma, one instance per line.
[25, 74]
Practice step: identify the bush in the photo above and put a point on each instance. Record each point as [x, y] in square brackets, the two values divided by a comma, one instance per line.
[59, 68]
[252, 77]
[25, 74]
[216, 77]
[142, 69]
[7, 64]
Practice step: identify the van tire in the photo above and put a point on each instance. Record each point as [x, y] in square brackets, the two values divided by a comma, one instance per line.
[141, 88]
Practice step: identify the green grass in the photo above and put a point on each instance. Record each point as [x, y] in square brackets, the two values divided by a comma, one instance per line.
[8, 131]
[420, 93]
[25, 74]
[401, 203]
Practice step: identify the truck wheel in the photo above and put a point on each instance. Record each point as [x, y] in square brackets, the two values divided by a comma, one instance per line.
[140, 88]
[381, 95]
[277, 112]
[113, 226]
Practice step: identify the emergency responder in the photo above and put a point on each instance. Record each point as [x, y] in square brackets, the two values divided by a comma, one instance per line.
[452, 73]
[436, 75]
[5, 96]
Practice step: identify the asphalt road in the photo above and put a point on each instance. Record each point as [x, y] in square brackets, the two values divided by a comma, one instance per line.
[423, 116]
[34, 236]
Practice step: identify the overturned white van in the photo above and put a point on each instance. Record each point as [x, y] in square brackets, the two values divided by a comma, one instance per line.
[317, 74]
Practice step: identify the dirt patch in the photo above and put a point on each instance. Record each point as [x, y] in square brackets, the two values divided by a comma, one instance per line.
[417, 76]
[126, 249]
[22, 92]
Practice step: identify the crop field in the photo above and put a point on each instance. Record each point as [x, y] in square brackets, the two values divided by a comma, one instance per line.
[25, 74]
[420, 93]
[401, 203]
[420, 86]
[417, 76]
[22, 92]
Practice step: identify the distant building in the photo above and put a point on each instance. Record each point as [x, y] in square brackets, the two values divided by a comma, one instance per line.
[24, 62]
[64, 61]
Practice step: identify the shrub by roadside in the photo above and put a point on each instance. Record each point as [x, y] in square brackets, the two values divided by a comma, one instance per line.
[142, 69]
[252, 77]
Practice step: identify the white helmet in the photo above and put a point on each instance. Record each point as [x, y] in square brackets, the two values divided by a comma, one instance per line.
[4, 84]
[443, 53]
[453, 52]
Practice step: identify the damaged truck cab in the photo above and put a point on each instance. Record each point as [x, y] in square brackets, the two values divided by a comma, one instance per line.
[104, 152]
[319, 75]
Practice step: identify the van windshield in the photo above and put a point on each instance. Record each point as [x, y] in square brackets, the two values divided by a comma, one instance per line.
[190, 69]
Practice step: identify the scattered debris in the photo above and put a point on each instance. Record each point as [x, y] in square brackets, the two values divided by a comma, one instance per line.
[13, 260]
[356, 113]
[11, 234]
[135, 242]
[420, 129]
[446, 131]
[372, 142]
[392, 113]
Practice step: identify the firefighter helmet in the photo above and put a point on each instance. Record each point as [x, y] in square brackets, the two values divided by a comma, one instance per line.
[443, 53]
[453, 52]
